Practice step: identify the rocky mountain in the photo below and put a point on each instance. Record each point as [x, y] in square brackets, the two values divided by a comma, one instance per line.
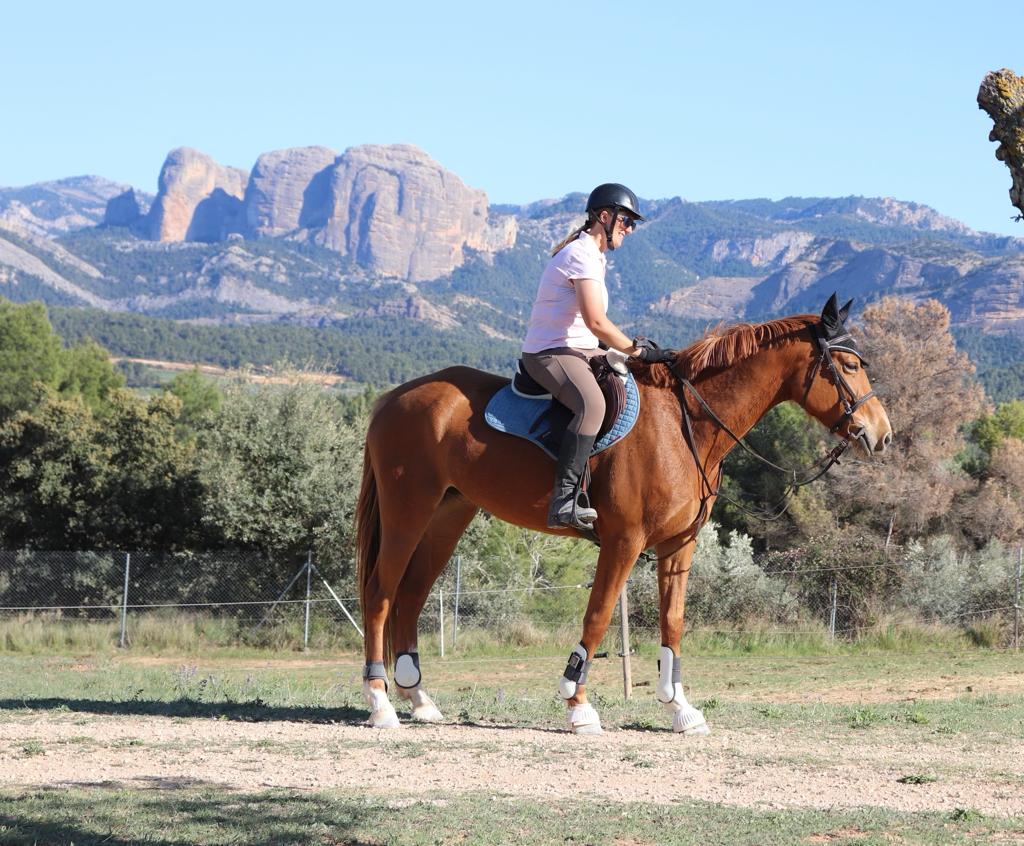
[52, 208]
[384, 234]
[392, 209]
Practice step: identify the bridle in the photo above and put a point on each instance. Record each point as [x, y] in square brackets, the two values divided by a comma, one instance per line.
[847, 396]
[797, 478]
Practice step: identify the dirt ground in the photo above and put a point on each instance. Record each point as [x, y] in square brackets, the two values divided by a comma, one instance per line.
[774, 768]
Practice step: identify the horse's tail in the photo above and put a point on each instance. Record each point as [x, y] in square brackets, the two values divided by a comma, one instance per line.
[368, 542]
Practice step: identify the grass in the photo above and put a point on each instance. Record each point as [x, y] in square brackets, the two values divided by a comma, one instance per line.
[741, 691]
[206, 816]
[169, 631]
[744, 692]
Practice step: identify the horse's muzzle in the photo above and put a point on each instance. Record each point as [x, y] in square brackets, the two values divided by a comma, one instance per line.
[870, 441]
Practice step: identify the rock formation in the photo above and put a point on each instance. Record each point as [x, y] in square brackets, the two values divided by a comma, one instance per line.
[392, 209]
[397, 211]
[122, 210]
[198, 200]
[289, 190]
[1002, 96]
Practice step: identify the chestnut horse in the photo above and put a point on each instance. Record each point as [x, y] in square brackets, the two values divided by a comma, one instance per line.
[431, 462]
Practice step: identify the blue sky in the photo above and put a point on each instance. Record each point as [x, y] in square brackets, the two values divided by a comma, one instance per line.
[528, 100]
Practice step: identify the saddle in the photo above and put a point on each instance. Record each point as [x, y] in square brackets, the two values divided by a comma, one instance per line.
[526, 410]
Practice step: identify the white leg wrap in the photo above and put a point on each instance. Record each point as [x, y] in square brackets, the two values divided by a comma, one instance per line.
[423, 708]
[583, 719]
[382, 712]
[575, 672]
[407, 669]
[686, 719]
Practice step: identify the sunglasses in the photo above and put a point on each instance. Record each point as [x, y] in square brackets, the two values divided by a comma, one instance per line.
[628, 223]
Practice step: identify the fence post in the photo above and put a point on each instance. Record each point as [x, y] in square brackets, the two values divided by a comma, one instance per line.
[309, 581]
[458, 587]
[440, 605]
[1016, 601]
[124, 599]
[627, 666]
[832, 611]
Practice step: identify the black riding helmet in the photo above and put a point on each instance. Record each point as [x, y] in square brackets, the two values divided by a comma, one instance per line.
[612, 195]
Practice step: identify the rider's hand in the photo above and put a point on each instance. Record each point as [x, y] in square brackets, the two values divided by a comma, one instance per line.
[650, 352]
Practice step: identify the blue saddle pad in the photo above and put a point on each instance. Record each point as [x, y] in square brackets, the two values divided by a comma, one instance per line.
[532, 418]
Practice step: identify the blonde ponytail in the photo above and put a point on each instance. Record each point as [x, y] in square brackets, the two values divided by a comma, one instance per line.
[572, 236]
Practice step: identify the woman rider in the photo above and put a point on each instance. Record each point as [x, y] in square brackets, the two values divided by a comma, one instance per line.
[567, 323]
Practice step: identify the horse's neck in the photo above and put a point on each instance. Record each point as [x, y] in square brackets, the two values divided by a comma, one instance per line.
[741, 395]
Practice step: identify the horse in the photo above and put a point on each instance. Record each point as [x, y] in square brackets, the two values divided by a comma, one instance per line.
[431, 462]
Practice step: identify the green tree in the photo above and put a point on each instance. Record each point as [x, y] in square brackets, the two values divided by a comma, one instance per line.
[786, 436]
[989, 431]
[200, 397]
[71, 481]
[87, 371]
[281, 471]
[30, 355]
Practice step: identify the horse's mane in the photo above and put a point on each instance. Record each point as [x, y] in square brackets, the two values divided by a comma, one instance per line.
[723, 346]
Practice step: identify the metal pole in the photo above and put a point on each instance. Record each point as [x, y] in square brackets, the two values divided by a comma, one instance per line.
[309, 582]
[341, 604]
[458, 587]
[440, 605]
[124, 599]
[1016, 602]
[277, 601]
[627, 665]
[832, 612]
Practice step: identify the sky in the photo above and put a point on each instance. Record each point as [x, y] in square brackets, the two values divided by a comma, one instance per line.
[528, 100]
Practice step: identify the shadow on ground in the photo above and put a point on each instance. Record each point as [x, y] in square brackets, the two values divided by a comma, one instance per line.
[254, 711]
[161, 817]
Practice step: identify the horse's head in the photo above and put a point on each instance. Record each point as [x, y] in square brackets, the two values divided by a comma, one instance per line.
[837, 391]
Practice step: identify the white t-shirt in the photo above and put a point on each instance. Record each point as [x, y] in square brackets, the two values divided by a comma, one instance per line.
[556, 320]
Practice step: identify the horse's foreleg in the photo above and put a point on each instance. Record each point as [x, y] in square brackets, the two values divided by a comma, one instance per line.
[428, 562]
[673, 573]
[616, 559]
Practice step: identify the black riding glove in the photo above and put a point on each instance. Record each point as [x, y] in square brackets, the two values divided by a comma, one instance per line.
[651, 353]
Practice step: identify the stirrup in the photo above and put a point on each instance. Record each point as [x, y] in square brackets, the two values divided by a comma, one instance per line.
[571, 515]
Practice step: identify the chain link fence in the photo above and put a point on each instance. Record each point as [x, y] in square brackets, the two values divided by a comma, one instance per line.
[264, 600]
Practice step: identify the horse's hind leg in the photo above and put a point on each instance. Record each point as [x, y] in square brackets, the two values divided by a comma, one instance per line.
[403, 521]
[428, 562]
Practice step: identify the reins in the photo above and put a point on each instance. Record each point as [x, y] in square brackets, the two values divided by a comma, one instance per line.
[797, 478]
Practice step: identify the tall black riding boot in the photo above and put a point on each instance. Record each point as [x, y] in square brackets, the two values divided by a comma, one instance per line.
[565, 508]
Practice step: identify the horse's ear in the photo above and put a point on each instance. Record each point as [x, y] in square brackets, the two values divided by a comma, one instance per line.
[830, 315]
[844, 312]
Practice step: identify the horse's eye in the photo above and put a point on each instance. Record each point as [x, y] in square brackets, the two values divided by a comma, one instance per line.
[851, 366]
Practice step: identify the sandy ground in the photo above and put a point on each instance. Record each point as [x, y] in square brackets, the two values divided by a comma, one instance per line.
[772, 768]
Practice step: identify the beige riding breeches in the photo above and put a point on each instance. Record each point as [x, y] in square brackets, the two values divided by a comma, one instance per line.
[566, 373]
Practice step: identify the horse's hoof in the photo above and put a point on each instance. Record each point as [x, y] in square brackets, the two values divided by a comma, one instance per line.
[427, 714]
[583, 719]
[385, 718]
[689, 722]
[423, 708]
[382, 712]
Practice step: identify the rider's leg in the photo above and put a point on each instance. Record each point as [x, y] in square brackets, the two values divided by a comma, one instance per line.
[567, 374]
